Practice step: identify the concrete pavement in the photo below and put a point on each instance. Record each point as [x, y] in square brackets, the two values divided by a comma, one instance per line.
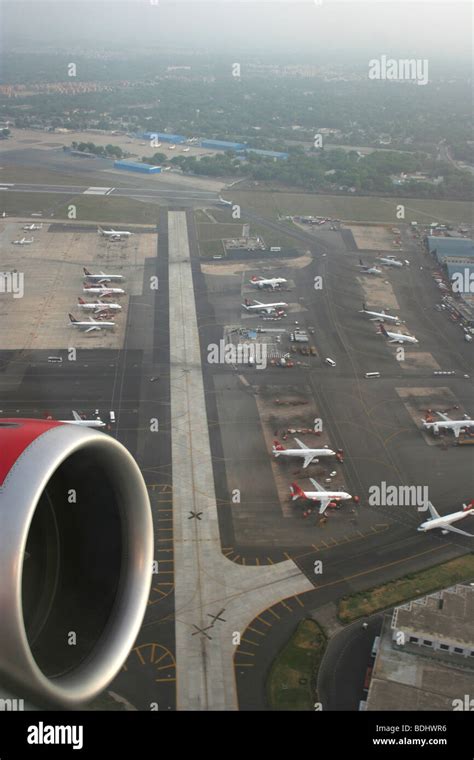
[214, 598]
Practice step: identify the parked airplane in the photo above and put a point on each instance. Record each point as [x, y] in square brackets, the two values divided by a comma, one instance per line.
[91, 324]
[304, 452]
[263, 308]
[33, 226]
[379, 316]
[101, 277]
[397, 337]
[324, 497]
[445, 522]
[114, 233]
[23, 241]
[388, 261]
[102, 291]
[98, 306]
[447, 423]
[272, 282]
[223, 202]
[95, 423]
[369, 270]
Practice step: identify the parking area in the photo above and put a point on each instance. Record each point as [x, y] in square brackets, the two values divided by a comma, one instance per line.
[51, 268]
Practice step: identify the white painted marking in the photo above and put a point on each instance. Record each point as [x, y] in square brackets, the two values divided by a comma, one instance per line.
[97, 190]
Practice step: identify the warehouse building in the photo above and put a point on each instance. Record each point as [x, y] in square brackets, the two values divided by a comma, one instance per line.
[164, 137]
[135, 166]
[425, 657]
[449, 246]
[222, 145]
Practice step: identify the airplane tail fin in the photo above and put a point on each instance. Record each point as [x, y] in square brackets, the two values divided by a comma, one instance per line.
[296, 492]
[277, 447]
[255, 278]
[383, 330]
[468, 506]
[72, 319]
[364, 307]
[81, 300]
[361, 262]
[86, 271]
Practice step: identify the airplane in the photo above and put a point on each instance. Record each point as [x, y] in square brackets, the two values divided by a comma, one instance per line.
[448, 424]
[95, 423]
[223, 202]
[445, 523]
[33, 226]
[23, 241]
[389, 261]
[272, 282]
[369, 270]
[263, 308]
[117, 234]
[321, 495]
[101, 277]
[397, 337]
[379, 316]
[102, 291]
[309, 455]
[91, 325]
[98, 306]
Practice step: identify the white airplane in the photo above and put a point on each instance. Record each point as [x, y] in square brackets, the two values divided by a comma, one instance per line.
[389, 261]
[101, 277]
[263, 308]
[445, 523]
[369, 270]
[379, 316]
[114, 233]
[324, 497]
[304, 452]
[31, 227]
[95, 423]
[272, 282]
[23, 241]
[397, 337]
[91, 325]
[98, 306]
[448, 424]
[224, 202]
[102, 291]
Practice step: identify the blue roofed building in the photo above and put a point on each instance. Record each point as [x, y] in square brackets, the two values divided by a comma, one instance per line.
[442, 247]
[136, 166]
[222, 145]
[164, 137]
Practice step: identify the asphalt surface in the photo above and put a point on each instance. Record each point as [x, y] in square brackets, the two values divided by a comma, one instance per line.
[371, 423]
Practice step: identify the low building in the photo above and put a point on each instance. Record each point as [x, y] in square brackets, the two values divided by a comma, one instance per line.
[441, 247]
[164, 137]
[425, 658]
[222, 145]
[275, 154]
[135, 166]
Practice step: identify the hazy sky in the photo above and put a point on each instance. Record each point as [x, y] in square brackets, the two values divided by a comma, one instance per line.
[403, 27]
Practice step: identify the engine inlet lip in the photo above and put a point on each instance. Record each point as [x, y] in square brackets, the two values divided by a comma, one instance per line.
[19, 498]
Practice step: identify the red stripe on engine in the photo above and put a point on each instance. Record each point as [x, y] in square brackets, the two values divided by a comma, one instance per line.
[15, 439]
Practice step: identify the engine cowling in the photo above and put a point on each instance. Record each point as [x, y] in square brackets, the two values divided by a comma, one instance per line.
[76, 549]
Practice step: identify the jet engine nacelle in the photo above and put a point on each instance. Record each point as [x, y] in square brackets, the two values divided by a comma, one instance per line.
[76, 549]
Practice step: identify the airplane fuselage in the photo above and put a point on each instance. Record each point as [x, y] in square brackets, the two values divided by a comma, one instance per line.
[440, 522]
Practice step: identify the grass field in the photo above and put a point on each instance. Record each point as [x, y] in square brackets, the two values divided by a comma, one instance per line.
[88, 207]
[290, 683]
[209, 231]
[353, 208]
[410, 587]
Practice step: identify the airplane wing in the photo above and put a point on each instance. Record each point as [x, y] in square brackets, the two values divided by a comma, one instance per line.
[307, 460]
[434, 514]
[323, 505]
[92, 328]
[457, 430]
[258, 303]
[301, 444]
[443, 416]
[76, 415]
[317, 486]
[447, 526]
